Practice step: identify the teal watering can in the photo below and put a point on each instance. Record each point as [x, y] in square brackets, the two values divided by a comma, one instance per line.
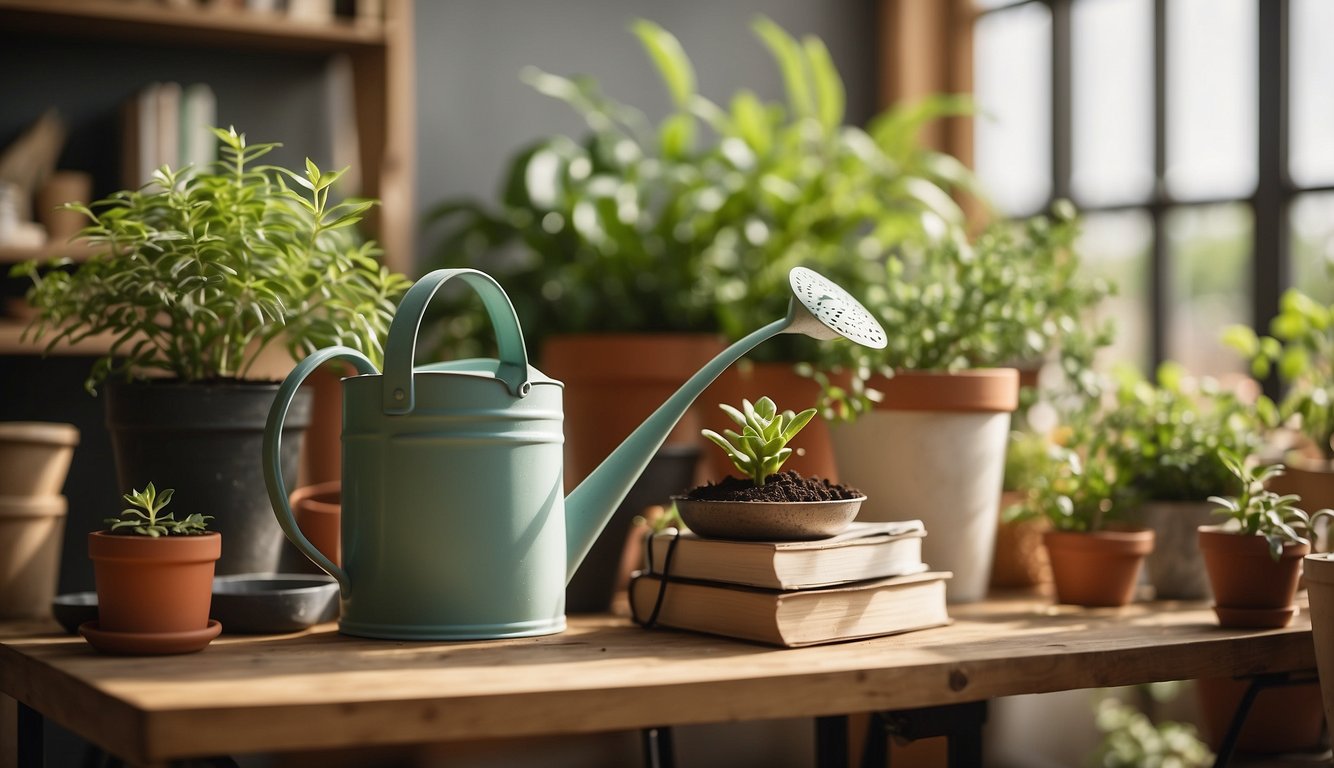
[453, 522]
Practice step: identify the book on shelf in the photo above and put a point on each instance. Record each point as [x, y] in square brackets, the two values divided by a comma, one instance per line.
[165, 124]
[797, 617]
[864, 551]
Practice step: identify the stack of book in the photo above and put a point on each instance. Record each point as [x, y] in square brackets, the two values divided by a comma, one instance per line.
[868, 581]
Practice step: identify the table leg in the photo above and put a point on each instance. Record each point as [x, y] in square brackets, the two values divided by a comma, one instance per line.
[831, 741]
[30, 733]
[658, 751]
[1258, 683]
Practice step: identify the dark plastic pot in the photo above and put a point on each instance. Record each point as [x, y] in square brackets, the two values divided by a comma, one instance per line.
[204, 440]
[670, 471]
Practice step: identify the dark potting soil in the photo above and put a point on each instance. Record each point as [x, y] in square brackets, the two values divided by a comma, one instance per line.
[784, 486]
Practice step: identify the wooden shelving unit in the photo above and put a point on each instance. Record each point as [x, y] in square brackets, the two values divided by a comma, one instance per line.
[380, 53]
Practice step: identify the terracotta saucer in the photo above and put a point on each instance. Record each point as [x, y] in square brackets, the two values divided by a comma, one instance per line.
[149, 643]
[1255, 618]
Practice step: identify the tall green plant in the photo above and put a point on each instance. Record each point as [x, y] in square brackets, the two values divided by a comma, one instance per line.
[196, 273]
[692, 223]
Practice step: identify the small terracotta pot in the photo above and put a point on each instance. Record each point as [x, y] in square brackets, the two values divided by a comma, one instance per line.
[153, 585]
[63, 187]
[35, 457]
[318, 510]
[31, 532]
[1251, 589]
[1020, 560]
[1097, 569]
[1281, 720]
[1318, 571]
[1312, 479]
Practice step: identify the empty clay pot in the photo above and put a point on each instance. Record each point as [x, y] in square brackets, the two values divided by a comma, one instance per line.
[318, 511]
[31, 531]
[35, 457]
[1097, 569]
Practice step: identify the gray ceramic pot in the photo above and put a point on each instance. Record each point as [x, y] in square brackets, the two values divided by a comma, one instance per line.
[1175, 566]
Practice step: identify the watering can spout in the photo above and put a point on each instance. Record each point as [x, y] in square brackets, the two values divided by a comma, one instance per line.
[818, 308]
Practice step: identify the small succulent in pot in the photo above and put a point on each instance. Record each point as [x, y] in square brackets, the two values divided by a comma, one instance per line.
[1258, 511]
[766, 503]
[761, 448]
[144, 516]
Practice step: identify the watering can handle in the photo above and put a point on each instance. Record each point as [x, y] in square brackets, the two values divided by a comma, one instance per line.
[273, 469]
[401, 350]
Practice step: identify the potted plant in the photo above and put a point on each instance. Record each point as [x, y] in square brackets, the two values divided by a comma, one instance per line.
[1301, 351]
[932, 444]
[1255, 560]
[1020, 560]
[154, 577]
[196, 276]
[1086, 495]
[1171, 437]
[766, 503]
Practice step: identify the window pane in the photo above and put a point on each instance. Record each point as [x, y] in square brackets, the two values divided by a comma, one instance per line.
[1209, 253]
[1211, 96]
[1012, 82]
[1312, 221]
[1311, 160]
[1115, 247]
[1112, 48]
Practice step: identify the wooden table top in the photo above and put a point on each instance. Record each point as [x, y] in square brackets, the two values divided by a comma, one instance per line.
[321, 689]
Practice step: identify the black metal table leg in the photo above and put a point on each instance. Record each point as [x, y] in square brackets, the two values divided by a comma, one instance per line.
[30, 733]
[831, 741]
[1258, 683]
[658, 750]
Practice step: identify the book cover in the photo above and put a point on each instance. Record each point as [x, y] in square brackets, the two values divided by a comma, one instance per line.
[199, 113]
[793, 618]
[864, 551]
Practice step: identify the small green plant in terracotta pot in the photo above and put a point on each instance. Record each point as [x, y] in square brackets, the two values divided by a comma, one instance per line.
[1095, 552]
[766, 503]
[1255, 559]
[154, 578]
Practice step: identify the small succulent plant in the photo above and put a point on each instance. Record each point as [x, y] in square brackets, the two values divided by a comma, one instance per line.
[144, 516]
[761, 448]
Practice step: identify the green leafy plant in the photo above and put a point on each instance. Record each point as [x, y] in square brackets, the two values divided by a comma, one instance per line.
[144, 516]
[1171, 435]
[693, 223]
[1301, 349]
[197, 272]
[1258, 511]
[1083, 486]
[1132, 740]
[761, 448]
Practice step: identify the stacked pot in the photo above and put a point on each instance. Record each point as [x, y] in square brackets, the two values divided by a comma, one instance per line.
[34, 460]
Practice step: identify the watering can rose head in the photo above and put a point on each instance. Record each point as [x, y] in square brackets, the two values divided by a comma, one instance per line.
[761, 448]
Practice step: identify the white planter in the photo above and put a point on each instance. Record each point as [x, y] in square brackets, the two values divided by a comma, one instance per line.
[1175, 566]
[944, 468]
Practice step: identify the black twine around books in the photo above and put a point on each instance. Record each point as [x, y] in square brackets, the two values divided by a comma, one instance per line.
[663, 578]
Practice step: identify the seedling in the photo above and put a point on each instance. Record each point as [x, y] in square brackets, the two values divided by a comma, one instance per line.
[144, 516]
[761, 448]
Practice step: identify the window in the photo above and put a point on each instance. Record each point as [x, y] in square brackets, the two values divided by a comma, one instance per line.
[1194, 135]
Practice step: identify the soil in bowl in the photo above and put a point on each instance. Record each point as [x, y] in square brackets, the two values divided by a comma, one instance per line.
[781, 487]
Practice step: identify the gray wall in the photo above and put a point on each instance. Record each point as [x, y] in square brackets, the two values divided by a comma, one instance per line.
[473, 111]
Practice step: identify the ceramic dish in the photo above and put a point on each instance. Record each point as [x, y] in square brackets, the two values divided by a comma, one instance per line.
[149, 643]
[270, 603]
[74, 609]
[768, 521]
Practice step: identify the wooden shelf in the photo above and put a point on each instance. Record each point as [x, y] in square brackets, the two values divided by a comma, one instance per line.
[10, 254]
[202, 25]
[12, 343]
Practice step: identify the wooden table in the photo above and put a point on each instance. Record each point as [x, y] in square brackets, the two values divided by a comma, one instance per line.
[261, 694]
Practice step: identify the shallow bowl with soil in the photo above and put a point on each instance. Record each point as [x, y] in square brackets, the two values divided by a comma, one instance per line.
[788, 507]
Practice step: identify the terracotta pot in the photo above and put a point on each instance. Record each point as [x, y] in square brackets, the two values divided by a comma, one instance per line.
[1318, 571]
[319, 512]
[31, 532]
[934, 449]
[1020, 560]
[1097, 569]
[153, 585]
[35, 457]
[59, 188]
[790, 391]
[322, 448]
[613, 382]
[1175, 566]
[1251, 589]
[1312, 479]
[1281, 720]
